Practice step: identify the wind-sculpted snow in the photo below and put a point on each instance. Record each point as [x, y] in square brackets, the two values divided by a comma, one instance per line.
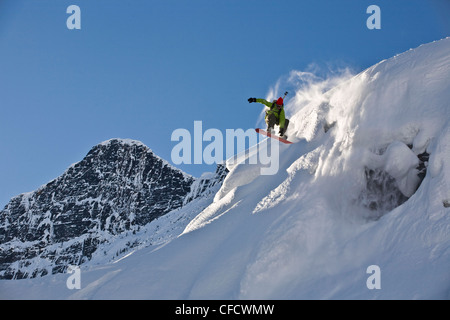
[366, 183]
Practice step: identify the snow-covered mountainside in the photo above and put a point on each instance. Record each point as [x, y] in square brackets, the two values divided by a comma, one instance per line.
[118, 188]
[366, 183]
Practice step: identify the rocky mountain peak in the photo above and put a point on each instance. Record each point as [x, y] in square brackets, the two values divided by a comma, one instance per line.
[119, 186]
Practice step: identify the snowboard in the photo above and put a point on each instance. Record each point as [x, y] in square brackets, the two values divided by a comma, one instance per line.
[264, 132]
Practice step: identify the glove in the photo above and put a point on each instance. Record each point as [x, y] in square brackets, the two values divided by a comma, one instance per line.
[250, 100]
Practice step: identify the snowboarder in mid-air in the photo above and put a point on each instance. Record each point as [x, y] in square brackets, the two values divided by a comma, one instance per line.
[275, 115]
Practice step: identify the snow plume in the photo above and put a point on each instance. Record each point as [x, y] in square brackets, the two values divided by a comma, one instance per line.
[305, 87]
[369, 137]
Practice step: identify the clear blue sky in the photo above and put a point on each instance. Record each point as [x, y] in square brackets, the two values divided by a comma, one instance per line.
[140, 69]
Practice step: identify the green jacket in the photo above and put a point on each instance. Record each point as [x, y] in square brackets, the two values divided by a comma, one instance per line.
[278, 113]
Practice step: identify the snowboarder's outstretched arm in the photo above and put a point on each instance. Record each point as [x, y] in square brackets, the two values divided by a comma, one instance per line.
[263, 101]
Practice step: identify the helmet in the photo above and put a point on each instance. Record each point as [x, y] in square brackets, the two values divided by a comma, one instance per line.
[280, 101]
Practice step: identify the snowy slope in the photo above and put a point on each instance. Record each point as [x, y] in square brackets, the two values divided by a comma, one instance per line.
[343, 200]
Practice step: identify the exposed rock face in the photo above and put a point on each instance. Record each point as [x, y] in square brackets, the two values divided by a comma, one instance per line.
[119, 186]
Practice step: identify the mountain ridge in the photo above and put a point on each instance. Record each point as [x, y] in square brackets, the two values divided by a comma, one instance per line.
[119, 186]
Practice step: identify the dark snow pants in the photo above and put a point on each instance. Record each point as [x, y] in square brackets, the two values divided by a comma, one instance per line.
[271, 121]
